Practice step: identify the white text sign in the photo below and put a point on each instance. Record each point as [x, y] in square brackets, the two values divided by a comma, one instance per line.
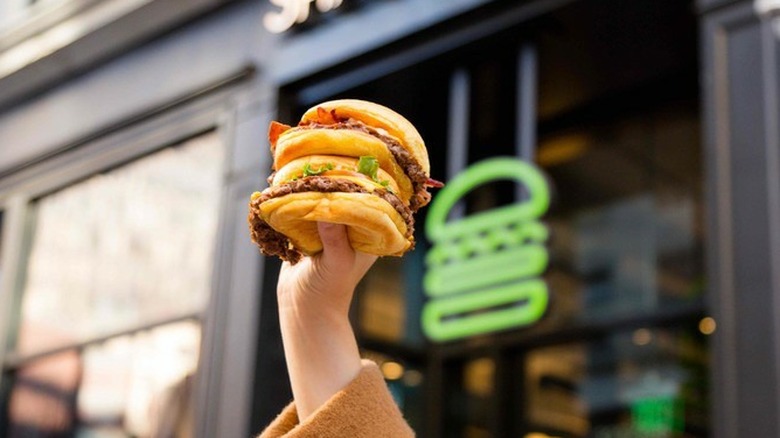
[294, 11]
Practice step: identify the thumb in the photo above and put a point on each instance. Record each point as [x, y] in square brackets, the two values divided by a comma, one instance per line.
[336, 248]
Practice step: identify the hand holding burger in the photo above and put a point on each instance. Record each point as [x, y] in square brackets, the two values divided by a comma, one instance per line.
[349, 162]
[345, 185]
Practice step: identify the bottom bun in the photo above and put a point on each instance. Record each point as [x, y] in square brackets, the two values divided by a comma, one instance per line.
[373, 225]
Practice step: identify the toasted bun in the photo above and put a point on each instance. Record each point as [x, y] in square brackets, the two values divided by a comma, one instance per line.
[297, 143]
[377, 116]
[317, 180]
[373, 225]
[343, 167]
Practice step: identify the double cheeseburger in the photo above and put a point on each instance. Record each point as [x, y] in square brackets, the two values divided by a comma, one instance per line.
[350, 162]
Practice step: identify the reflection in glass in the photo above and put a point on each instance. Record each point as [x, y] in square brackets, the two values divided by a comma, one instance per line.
[470, 397]
[478, 383]
[626, 225]
[645, 383]
[389, 300]
[124, 248]
[382, 312]
[145, 381]
[42, 400]
[136, 385]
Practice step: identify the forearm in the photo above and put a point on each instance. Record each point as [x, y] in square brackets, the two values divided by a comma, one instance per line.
[321, 352]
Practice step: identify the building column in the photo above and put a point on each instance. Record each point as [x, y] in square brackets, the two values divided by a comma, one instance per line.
[742, 157]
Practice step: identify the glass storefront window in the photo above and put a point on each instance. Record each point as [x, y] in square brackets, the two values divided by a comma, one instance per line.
[471, 397]
[382, 301]
[626, 226]
[478, 385]
[153, 395]
[42, 396]
[124, 248]
[118, 276]
[389, 300]
[648, 382]
[136, 385]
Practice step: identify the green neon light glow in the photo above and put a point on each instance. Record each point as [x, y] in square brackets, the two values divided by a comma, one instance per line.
[660, 416]
[476, 314]
[436, 227]
[481, 268]
[490, 268]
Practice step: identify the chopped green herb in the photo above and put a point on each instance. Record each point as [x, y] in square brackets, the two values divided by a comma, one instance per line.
[368, 165]
[386, 184]
[308, 170]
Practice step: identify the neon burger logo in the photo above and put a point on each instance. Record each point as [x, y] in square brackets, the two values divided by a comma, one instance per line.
[483, 271]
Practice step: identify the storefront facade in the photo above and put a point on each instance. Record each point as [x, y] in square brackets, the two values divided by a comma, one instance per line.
[133, 138]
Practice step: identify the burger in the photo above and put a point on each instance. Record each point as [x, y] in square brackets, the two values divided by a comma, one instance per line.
[350, 162]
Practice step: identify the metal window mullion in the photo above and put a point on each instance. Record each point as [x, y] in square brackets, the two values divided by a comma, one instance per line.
[17, 232]
[526, 98]
[771, 112]
[214, 411]
[457, 160]
[458, 129]
[13, 361]
[527, 85]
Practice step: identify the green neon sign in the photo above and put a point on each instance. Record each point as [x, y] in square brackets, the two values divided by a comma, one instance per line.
[483, 269]
[658, 416]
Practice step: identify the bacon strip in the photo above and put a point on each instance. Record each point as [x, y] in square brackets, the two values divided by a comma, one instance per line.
[433, 183]
[274, 131]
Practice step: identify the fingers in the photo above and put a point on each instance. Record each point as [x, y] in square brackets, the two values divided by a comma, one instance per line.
[327, 279]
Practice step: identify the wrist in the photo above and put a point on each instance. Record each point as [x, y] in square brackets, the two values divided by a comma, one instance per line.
[313, 317]
[321, 353]
[315, 305]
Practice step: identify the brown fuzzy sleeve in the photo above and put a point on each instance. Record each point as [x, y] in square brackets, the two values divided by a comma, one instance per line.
[364, 408]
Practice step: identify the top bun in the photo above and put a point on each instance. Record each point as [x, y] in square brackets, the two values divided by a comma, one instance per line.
[376, 116]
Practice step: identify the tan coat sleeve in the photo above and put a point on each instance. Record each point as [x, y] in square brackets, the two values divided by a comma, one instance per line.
[364, 408]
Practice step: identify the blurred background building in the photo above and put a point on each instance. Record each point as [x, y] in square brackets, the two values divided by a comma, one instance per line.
[132, 133]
